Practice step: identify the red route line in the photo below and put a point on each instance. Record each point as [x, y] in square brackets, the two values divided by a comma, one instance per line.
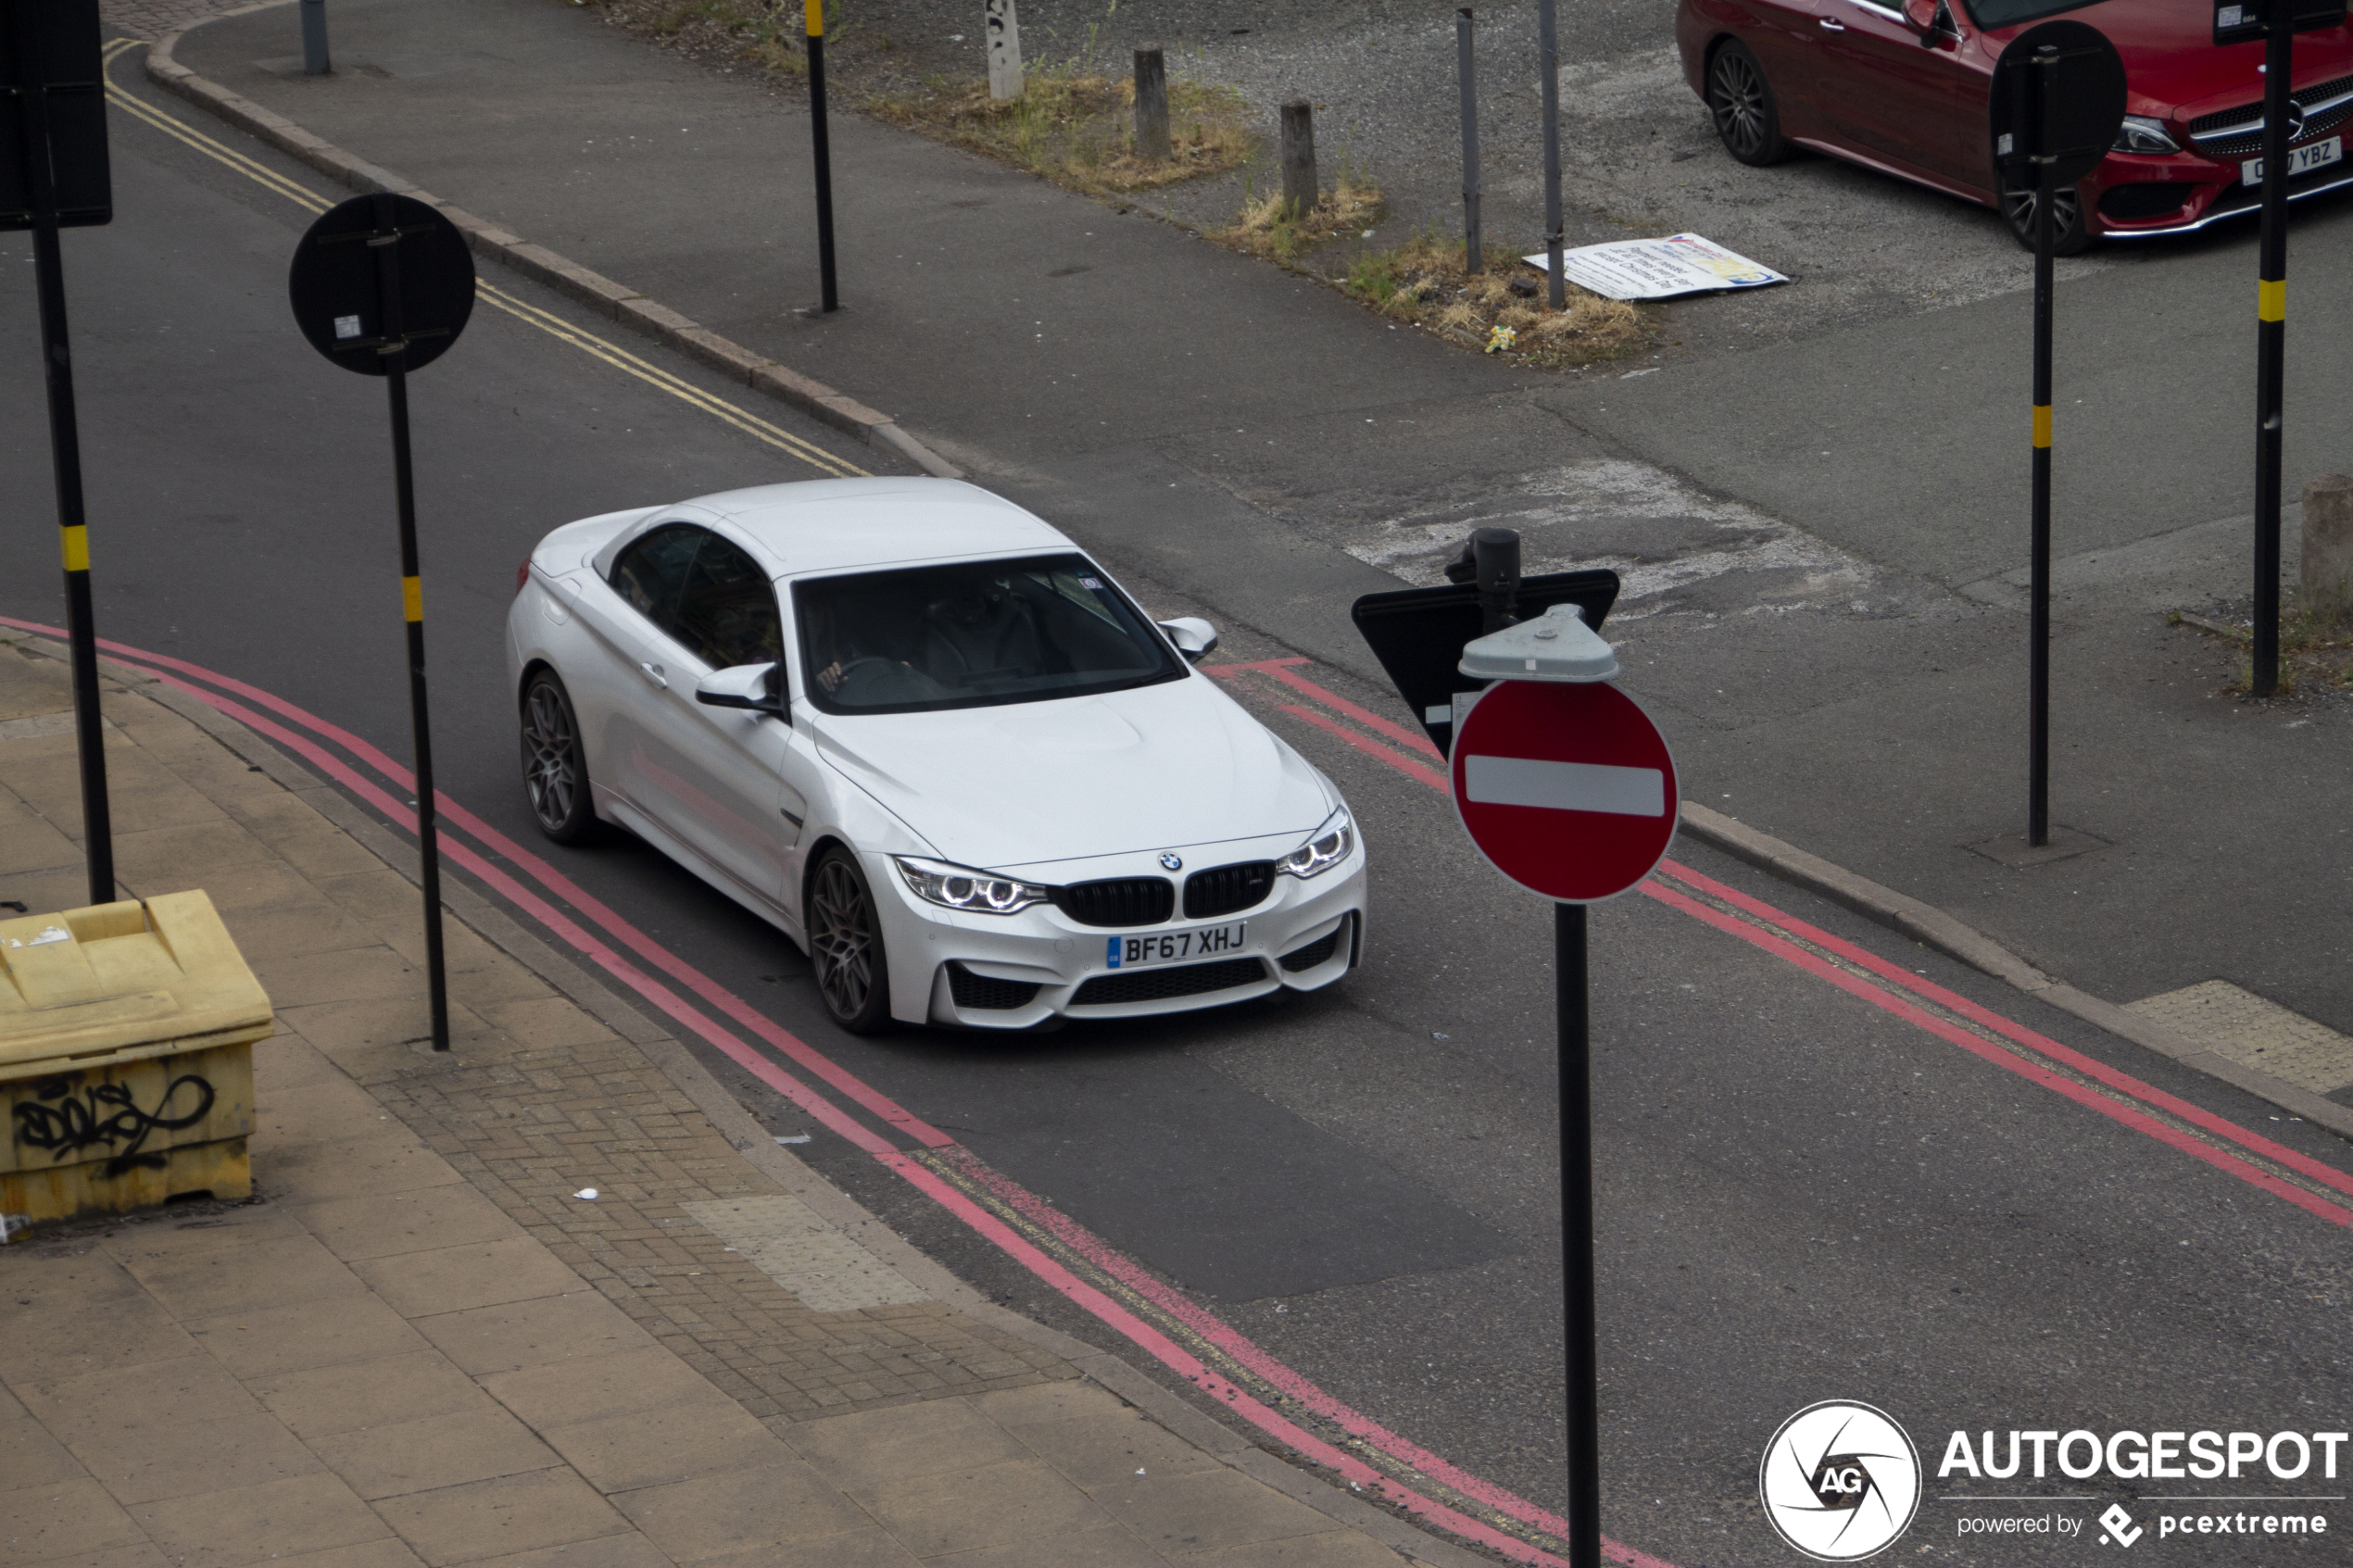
[1404, 764]
[1279, 669]
[1109, 1259]
[2122, 1082]
[833, 1118]
[2090, 1068]
[1855, 985]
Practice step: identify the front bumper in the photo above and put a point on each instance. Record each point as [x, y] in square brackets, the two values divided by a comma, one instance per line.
[1016, 971]
[2211, 190]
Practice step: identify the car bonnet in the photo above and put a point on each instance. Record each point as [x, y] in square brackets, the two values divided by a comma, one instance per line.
[1020, 783]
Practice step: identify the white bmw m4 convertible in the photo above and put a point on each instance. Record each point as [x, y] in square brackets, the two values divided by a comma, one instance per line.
[918, 730]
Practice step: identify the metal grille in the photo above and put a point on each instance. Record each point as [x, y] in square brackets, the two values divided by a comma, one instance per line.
[1159, 984]
[984, 992]
[2145, 199]
[1319, 951]
[2251, 116]
[1129, 900]
[1223, 889]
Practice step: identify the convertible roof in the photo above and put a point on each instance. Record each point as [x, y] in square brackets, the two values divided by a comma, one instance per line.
[825, 524]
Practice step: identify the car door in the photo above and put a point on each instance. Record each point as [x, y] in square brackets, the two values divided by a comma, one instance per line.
[716, 777]
[1784, 37]
[1883, 92]
[621, 613]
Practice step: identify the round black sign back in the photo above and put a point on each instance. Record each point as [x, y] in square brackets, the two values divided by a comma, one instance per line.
[380, 277]
[2075, 122]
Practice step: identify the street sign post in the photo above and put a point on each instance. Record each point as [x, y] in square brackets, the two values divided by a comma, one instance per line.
[383, 285]
[1566, 787]
[54, 175]
[2276, 22]
[2057, 103]
[821, 156]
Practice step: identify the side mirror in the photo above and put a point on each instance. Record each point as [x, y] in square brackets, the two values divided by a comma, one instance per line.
[751, 686]
[1926, 19]
[1193, 636]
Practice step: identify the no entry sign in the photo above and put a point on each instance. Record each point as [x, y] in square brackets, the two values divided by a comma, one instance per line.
[1566, 788]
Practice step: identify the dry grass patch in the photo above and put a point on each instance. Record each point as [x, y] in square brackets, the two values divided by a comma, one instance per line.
[1078, 128]
[1270, 229]
[1424, 282]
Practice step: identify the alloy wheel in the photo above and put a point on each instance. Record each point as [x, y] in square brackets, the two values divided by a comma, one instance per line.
[1738, 103]
[841, 938]
[2066, 219]
[550, 749]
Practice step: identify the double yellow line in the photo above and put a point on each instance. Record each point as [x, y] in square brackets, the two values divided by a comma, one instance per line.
[554, 326]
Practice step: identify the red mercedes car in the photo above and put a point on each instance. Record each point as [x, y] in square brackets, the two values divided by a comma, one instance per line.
[1902, 86]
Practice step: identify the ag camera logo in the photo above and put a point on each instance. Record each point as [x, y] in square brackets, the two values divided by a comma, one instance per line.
[1840, 1481]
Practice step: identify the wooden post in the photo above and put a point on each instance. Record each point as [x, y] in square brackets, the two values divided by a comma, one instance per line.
[1002, 33]
[1151, 104]
[2327, 578]
[1298, 159]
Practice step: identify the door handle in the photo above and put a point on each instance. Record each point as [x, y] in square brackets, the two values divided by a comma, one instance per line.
[1829, 26]
[654, 672]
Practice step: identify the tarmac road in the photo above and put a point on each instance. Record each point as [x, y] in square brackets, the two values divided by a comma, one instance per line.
[1805, 1193]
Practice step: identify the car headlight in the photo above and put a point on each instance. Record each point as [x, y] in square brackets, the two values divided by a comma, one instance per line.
[2142, 134]
[961, 887]
[1328, 848]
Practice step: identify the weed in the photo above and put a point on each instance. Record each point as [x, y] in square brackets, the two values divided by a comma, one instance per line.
[1078, 128]
[1269, 228]
[1424, 282]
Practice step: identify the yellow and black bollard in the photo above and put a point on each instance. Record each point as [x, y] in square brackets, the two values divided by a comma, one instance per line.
[829, 298]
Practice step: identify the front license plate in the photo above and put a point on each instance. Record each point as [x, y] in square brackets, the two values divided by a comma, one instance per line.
[1175, 946]
[2299, 160]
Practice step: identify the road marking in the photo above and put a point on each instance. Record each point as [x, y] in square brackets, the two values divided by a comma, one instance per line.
[1564, 786]
[553, 325]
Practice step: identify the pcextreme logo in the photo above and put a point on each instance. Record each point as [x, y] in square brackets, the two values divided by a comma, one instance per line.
[1840, 1481]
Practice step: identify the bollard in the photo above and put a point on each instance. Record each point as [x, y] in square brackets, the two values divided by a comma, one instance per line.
[1002, 33]
[314, 38]
[2328, 545]
[1298, 159]
[1151, 104]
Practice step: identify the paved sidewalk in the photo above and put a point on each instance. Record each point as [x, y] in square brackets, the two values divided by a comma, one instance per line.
[417, 1345]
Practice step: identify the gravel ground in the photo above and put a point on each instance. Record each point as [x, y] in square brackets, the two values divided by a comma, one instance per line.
[1639, 156]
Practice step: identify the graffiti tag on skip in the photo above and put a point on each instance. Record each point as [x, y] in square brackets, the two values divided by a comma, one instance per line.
[105, 1115]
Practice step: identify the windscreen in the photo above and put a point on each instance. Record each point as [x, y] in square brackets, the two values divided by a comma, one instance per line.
[971, 635]
[1993, 14]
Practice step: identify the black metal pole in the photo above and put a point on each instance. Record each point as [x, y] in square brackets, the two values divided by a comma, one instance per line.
[1473, 245]
[387, 247]
[2038, 750]
[65, 458]
[1549, 62]
[1495, 562]
[2270, 346]
[829, 297]
[1580, 1325]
